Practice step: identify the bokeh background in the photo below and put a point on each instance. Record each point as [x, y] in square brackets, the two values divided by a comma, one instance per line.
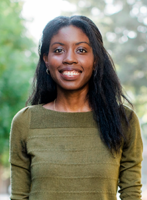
[123, 25]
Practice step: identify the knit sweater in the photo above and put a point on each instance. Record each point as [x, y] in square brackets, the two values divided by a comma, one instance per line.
[60, 156]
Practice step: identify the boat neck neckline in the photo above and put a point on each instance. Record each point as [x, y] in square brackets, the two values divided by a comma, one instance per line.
[60, 112]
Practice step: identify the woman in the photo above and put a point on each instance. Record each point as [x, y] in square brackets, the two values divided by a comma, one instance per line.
[77, 140]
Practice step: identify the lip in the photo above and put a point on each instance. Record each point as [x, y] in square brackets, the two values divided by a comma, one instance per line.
[70, 69]
[68, 77]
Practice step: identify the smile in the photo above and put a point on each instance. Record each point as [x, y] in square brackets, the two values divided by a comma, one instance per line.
[71, 73]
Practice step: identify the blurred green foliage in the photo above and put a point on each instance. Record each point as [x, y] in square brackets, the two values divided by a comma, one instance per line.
[17, 63]
[123, 25]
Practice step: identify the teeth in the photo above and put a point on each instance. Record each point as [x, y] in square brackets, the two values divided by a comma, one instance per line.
[70, 73]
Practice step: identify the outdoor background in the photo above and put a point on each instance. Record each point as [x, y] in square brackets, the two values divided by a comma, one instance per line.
[123, 25]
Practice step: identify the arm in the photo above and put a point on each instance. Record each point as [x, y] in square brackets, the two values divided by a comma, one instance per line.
[130, 166]
[19, 159]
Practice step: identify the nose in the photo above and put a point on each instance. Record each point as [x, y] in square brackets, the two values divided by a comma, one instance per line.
[70, 57]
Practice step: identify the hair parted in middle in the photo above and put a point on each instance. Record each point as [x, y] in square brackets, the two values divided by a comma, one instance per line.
[105, 91]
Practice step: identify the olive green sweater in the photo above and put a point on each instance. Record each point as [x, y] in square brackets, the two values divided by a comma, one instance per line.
[60, 156]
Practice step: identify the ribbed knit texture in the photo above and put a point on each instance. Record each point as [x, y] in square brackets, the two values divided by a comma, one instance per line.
[60, 156]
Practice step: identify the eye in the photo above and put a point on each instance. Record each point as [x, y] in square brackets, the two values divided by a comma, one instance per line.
[81, 50]
[59, 50]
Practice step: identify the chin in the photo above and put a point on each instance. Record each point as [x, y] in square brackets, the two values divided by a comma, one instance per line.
[74, 87]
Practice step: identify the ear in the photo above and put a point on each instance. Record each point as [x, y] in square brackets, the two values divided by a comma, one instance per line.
[45, 58]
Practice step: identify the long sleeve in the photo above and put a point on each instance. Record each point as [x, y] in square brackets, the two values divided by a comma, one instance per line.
[19, 159]
[130, 166]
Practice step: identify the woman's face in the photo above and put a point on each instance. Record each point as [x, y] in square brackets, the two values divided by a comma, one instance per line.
[70, 59]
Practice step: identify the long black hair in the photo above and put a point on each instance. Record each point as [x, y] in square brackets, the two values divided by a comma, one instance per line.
[105, 91]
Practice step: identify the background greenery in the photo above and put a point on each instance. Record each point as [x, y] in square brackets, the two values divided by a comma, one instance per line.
[123, 25]
[17, 63]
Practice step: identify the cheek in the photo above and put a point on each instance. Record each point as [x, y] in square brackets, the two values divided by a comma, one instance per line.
[88, 64]
[54, 62]
[87, 61]
[89, 68]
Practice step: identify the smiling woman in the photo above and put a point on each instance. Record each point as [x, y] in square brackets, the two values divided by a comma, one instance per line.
[77, 140]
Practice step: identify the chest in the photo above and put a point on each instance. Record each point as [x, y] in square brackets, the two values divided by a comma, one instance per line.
[70, 152]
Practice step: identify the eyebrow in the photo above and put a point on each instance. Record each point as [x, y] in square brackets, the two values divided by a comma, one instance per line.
[58, 43]
[83, 42]
[76, 43]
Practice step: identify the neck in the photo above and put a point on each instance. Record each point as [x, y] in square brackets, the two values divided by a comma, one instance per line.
[72, 101]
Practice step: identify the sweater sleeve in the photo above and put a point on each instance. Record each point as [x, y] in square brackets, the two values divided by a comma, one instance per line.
[19, 159]
[130, 165]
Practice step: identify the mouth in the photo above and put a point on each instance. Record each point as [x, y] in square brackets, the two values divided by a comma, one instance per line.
[70, 74]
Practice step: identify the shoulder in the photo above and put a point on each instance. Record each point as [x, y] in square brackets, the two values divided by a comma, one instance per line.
[133, 130]
[21, 124]
[132, 116]
[23, 116]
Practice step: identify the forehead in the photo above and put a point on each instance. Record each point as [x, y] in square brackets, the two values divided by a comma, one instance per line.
[70, 33]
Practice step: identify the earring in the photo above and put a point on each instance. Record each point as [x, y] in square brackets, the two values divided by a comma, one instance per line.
[47, 71]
